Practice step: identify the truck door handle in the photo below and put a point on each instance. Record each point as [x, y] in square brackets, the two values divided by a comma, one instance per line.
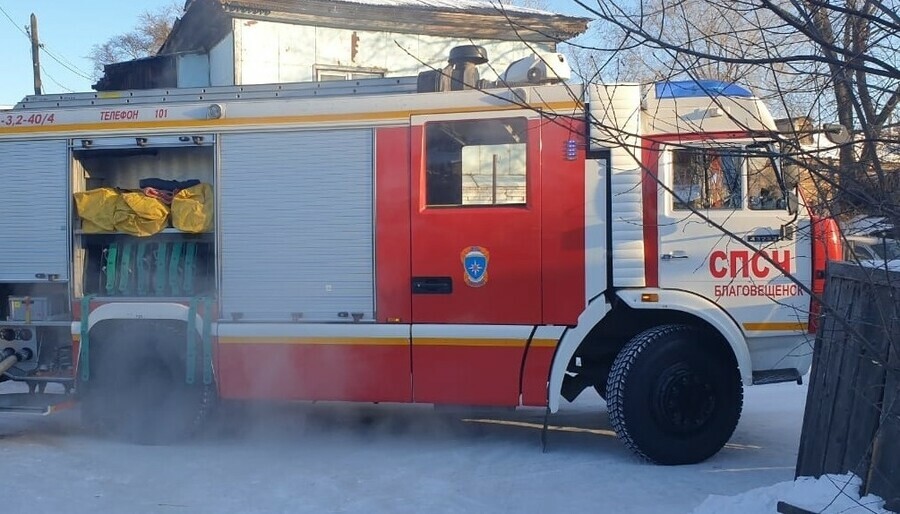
[432, 285]
[677, 254]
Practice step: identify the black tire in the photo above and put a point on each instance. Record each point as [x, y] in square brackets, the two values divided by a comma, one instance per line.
[137, 389]
[674, 395]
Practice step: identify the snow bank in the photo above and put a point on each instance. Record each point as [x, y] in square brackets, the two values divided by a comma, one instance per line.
[830, 494]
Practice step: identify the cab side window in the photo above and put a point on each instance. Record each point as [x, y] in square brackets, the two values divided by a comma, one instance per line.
[707, 178]
[476, 162]
[764, 192]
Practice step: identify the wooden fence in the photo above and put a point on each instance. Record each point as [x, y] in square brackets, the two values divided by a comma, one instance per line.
[852, 418]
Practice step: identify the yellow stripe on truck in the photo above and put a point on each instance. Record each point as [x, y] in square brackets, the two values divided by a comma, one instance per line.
[461, 341]
[775, 327]
[359, 341]
[387, 341]
[271, 120]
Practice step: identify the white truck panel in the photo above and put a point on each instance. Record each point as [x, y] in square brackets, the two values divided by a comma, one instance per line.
[705, 114]
[34, 210]
[314, 191]
[615, 123]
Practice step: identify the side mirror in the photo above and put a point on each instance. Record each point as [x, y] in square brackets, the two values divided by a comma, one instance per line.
[793, 201]
[836, 133]
[791, 175]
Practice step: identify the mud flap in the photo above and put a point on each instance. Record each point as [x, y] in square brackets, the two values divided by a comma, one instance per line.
[206, 342]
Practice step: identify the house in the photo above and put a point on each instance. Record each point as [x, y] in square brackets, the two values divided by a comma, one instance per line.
[241, 42]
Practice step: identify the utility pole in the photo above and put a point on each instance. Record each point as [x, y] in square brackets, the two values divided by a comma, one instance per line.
[36, 55]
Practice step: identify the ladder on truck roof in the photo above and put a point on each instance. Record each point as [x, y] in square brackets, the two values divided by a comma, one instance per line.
[374, 86]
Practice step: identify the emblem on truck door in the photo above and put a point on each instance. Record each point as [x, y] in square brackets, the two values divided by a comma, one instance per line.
[475, 262]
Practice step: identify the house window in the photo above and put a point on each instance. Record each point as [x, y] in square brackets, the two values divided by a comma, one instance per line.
[707, 178]
[326, 73]
[476, 162]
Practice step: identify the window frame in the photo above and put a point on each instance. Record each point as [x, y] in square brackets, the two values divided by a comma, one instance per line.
[347, 72]
[530, 137]
[747, 149]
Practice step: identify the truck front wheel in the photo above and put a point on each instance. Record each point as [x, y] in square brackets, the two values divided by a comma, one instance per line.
[674, 395]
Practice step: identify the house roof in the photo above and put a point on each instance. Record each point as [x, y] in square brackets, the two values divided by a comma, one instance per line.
[206, 22]
[489, 6]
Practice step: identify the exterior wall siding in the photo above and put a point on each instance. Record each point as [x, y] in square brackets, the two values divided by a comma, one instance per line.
[193, 70]
[268, 52]
[221, 63]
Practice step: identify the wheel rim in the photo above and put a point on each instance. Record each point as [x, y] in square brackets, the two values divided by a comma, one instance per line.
[685, 399]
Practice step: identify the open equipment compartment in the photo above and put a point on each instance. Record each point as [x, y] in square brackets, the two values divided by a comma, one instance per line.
[168, 263]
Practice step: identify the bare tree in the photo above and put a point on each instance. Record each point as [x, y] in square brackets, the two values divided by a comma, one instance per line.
[144, 40]
[826, 60]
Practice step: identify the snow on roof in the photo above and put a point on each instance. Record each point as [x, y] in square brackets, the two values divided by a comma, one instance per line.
[464, 6]
[863, 225]
[454, 5]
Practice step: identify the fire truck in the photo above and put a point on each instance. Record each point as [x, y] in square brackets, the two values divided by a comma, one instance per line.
[438, 239]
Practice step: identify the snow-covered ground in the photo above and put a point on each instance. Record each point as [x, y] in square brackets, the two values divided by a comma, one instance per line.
[830, 494]
[393, 458]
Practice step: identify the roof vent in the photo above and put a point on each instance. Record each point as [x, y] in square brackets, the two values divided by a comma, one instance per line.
[462, 55]
[461, 73]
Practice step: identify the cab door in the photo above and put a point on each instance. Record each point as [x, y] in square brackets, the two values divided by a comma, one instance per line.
[736, 187]
[476, 255]
[476, 252]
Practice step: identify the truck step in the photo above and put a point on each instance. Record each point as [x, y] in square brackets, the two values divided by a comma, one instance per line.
[39, 404]
[775, 376]
[38, 382]
[17, 375]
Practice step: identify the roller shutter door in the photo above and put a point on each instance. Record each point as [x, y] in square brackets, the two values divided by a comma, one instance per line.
[296, 225]
[34, 239]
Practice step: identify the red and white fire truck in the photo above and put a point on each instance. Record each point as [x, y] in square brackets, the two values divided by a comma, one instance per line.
[434, 239]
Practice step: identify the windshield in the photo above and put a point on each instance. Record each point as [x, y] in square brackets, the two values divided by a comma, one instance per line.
[713, 178]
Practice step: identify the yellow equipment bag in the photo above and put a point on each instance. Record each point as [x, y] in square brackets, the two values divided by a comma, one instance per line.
[97, 209]
[193, 209]
[140, 215]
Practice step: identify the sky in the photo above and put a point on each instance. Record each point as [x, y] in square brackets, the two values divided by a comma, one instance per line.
[68, 33]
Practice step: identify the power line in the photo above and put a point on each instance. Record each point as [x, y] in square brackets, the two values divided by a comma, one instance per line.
[72, 64]
[67, 89]
[67, 65]
[62, 61]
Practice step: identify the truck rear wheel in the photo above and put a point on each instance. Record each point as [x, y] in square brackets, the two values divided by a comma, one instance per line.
[674, 395]
[137, 389]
